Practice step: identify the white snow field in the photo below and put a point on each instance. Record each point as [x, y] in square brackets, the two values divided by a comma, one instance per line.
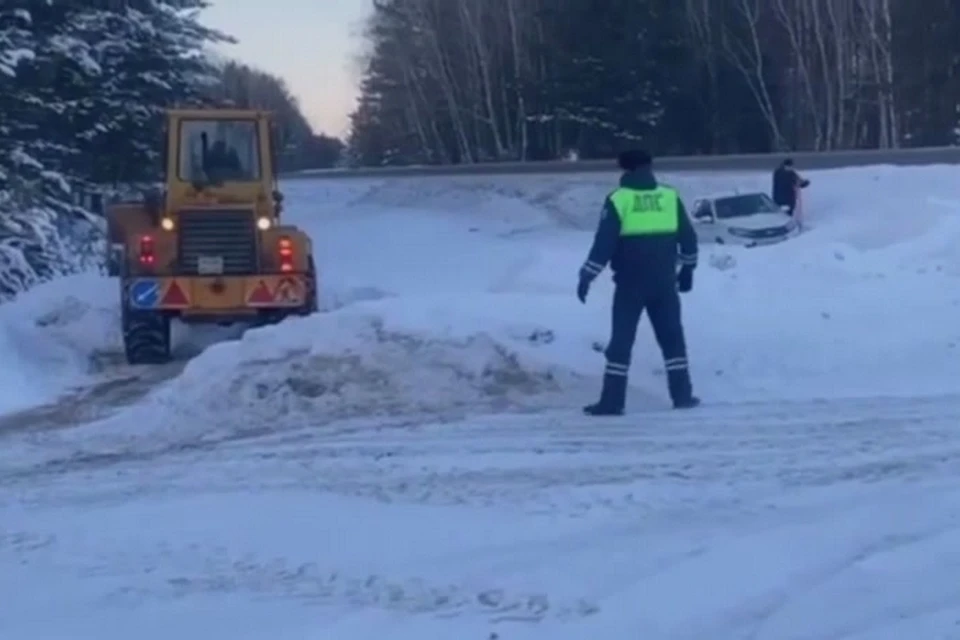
[412, 462]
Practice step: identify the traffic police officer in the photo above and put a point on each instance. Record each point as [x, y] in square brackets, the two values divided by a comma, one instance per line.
[643, 233]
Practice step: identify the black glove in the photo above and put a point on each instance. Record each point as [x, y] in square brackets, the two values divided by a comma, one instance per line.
[685, 279]
[583, 288]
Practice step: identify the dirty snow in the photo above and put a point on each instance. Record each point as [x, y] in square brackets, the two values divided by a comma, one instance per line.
[410, 463]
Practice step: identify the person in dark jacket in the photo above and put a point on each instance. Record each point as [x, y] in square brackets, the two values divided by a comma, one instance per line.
[786, 183]
[643, 233]
[223, 163]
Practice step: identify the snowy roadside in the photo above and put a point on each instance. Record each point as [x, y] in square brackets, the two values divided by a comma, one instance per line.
[354, 475]
[801, 521]
[477, 315]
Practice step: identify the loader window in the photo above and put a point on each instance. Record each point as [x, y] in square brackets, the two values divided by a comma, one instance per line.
[213, 151]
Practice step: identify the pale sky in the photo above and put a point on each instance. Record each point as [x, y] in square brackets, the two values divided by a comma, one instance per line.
[312, 44]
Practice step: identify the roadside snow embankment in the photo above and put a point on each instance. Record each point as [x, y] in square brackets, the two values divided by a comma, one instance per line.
[832, 312]
[394, 361]
[53, 337]
[453, 296]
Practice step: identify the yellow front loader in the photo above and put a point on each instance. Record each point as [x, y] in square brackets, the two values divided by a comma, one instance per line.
[209, 248]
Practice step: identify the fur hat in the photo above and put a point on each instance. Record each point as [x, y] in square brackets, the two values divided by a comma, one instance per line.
[633, 159]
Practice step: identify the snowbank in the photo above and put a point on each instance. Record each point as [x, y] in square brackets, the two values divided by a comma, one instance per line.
[444, 289]
[840, 303]
[54, 336]
[65, 334]
[390, 361]
[867, 207]
[16, 375]
[520, 203]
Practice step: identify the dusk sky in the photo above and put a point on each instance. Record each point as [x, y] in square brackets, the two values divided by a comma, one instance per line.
[312, 44]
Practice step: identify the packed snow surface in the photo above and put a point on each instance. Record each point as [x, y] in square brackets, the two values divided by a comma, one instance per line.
[411, 462]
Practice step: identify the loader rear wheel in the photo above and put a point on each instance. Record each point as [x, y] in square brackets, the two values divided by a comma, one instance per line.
[146, 337]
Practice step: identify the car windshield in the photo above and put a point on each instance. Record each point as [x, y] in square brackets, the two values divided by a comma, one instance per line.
[745, 205]
[219, 151]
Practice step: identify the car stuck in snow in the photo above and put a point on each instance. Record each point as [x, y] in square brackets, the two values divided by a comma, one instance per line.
[748, 219]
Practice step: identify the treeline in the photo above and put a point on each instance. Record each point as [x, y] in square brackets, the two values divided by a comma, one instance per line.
[83, 88]
[299, 147]
[461, 81]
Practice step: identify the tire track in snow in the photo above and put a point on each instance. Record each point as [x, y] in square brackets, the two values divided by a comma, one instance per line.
[121, 388]
[739, 469]
[565, 464]
[182, 573]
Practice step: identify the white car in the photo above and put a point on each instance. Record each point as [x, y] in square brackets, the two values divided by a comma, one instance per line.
[748, 219]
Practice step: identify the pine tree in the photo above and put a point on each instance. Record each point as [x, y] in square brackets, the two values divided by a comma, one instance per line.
[381, 131]
[613, 83]
[152, 56]
[82, 90]
[43, 65]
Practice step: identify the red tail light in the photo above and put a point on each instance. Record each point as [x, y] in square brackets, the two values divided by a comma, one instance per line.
[285, 249]
[147, 251]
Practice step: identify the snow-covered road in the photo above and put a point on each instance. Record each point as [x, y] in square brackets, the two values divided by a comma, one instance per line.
[412, 464]
[837, 520]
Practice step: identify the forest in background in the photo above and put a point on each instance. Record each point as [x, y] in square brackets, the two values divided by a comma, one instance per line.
[463, 81]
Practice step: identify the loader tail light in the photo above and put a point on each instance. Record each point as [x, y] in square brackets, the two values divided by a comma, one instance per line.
[148, 255]
[285, 249]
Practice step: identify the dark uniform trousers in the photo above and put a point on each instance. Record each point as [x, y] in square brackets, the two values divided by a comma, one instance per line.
[663, 309]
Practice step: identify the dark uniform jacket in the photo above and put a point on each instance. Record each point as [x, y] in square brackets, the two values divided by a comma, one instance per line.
[646, 262]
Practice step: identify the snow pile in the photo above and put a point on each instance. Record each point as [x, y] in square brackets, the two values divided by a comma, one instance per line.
[359, 363]
[58, 334]
[820, 321]
[17, 375]
[390, 361]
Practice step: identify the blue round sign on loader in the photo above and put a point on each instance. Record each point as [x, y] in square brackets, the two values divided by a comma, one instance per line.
[145, 294]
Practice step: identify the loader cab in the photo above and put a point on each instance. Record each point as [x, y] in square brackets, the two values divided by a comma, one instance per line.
[221, 157]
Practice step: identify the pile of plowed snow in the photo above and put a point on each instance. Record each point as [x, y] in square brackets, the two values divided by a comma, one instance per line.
[55, 336]
[69, 330]
[363, 362]
[391, 361]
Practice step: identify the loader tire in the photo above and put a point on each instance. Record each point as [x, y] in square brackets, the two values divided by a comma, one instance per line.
[146, 337]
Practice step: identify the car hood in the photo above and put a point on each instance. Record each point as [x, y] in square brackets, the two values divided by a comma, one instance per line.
[758, 221]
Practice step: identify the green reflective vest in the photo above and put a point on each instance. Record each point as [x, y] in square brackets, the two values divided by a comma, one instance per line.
[647, 212]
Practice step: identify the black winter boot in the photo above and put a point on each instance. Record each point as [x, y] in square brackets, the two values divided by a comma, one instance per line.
[681, 389]
[613, 397]
[689, 403]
